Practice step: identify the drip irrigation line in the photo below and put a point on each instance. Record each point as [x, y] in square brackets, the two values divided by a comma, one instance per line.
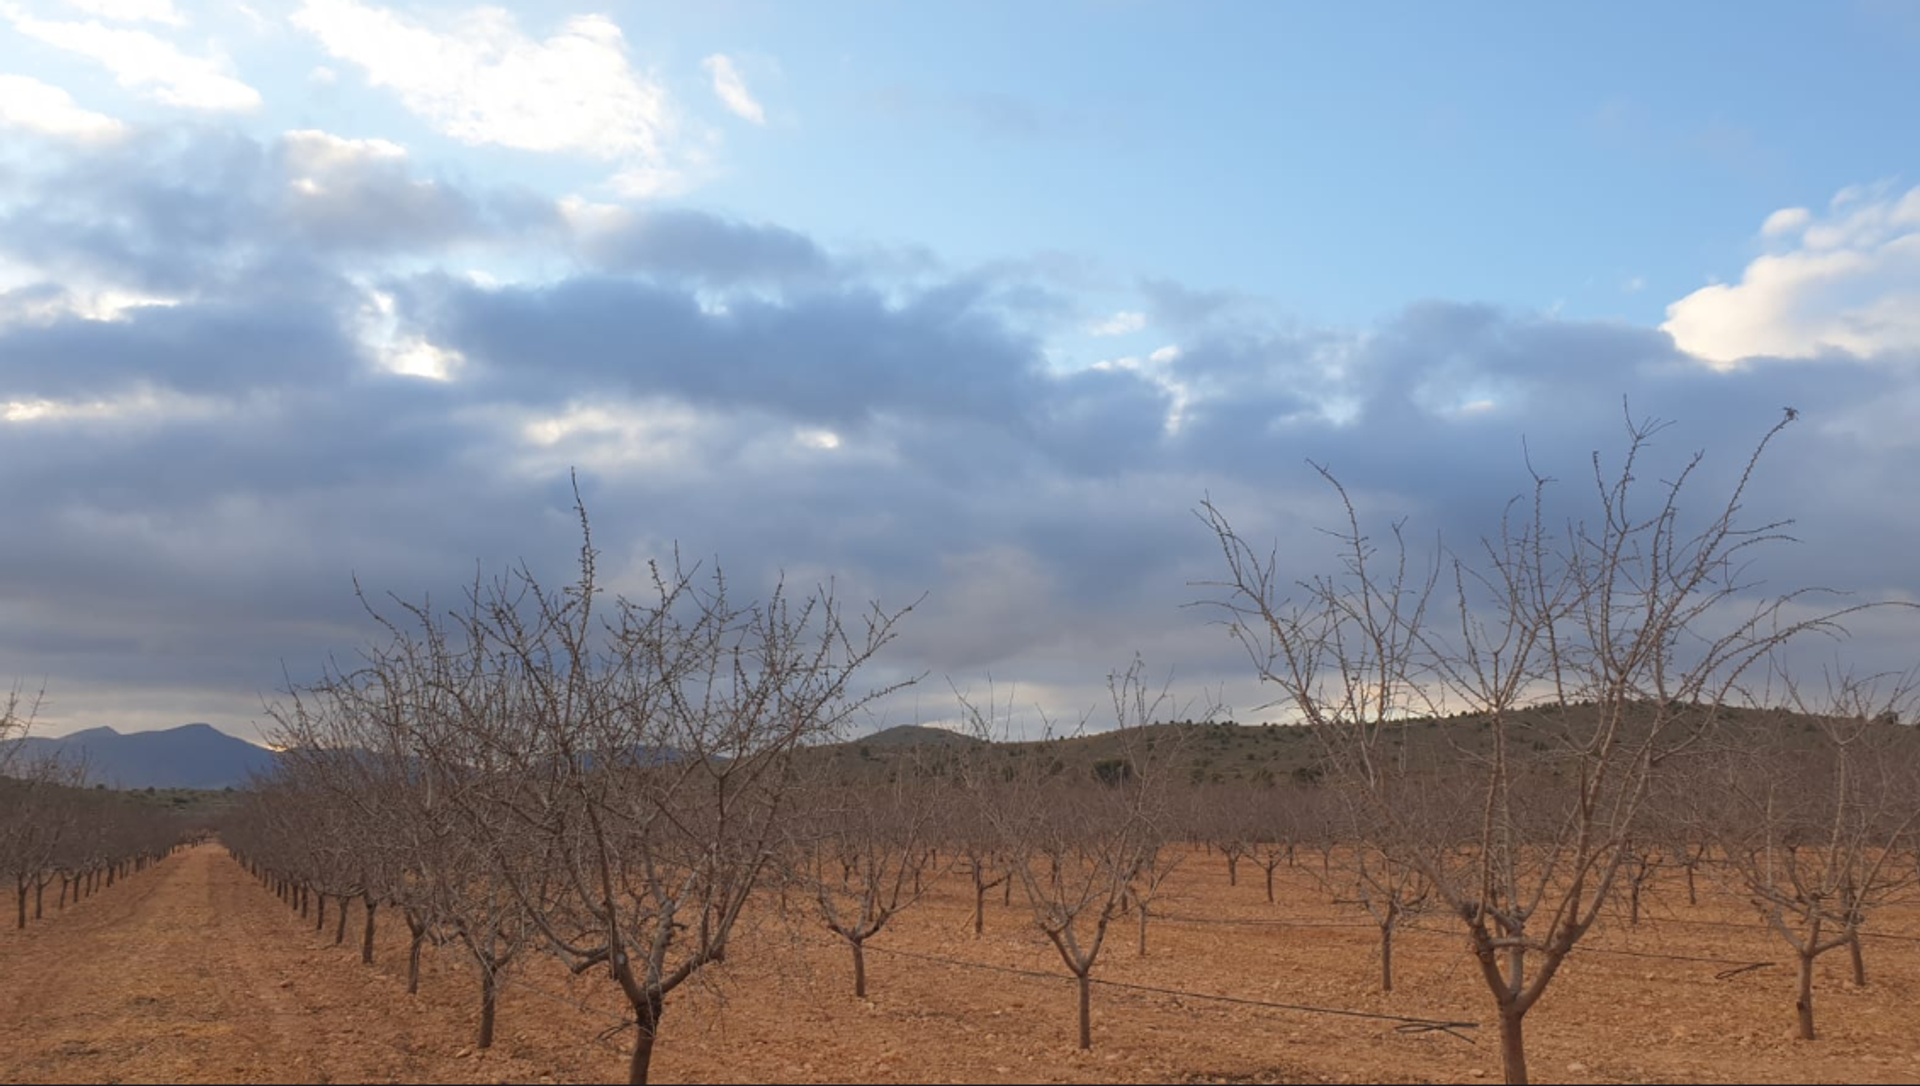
[1760, 927]
[1736, 966]
[1171, 918]
[1403, 1023]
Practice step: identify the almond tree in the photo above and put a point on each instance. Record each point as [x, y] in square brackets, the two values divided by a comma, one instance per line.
[1149, 885]
[1815, 832]
[1584, 658]
[979, 850]
[1077, 847]
[863, 854]
[632, 759]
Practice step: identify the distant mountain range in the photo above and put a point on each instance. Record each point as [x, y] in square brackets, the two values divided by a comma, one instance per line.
[191, 756]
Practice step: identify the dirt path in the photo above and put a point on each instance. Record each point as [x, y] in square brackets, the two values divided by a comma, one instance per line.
[186, 973]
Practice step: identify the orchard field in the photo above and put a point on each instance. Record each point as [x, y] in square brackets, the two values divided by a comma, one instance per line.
[192, 971]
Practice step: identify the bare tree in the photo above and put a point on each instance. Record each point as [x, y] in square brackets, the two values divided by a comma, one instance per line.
[863, 855]
[1815, 824]
[1584, 659]
[1077, 847]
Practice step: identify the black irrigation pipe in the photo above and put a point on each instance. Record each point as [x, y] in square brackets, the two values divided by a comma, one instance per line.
[1255, 922]
[1760, 927]
[1736, 966]
[1404, 1024]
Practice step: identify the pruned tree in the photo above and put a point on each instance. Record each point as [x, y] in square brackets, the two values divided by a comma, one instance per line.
[863, 854]
[1076, 847]
[1816, 827]
[1584, 660]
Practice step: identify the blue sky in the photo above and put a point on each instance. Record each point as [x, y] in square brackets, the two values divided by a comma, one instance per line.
[975, 300]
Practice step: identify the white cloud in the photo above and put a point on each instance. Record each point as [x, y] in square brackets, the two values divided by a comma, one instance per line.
[1849, 281]
[41, 107]
[323, 76]
[311, 151]
[482, 81]
[652, 182]
[1120, 324]
[145, 403]
[143, 63]
[393, 348]
[132, 11]
[731, 89]
[1785, 221]
[1157, 367]
[612, 435]
[1634, 285]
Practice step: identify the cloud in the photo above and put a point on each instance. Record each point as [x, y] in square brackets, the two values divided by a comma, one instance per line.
[29, 104]
[480, 80]
[731, 89]
[144, 63]
[1120, 324]
[183, 211]
[132, 11]
[1786, 221]
[1847, 281]
[240, 372]
[695, 246]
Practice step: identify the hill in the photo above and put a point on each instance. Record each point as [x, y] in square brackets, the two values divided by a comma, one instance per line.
[194, 756]
[1267, 755]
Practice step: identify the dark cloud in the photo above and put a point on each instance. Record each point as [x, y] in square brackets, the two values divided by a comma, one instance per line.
[692, 246]
[183, 210]
[190, 489]
[831, 357]
[210, 347]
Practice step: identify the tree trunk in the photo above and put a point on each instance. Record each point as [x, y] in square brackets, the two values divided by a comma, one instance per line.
[1386, 957]
[979, 909]
[1006, 891]
[413, 961]
[1233, 869]
[1633, 897]
[489, 998]
[1086, 1012]
[1269, 885]
[859, 969]
[1692, 898]
[646, 1032]
[1803, 1003]
[340, 928]
[366, 939]
[1859, 964]
[1513, 1048]
[1143, 929]
[23, 904]
[40, 901]
[320, 916]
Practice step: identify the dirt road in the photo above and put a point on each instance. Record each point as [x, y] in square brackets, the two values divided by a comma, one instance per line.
[187, 973]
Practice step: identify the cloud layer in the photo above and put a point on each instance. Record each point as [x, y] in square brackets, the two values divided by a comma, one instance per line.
[241, 372]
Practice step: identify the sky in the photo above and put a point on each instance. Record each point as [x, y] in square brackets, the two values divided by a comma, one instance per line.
[970, 302]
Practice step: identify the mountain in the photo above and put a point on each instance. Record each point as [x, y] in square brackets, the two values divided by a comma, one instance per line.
[191, 756]
[914, 735]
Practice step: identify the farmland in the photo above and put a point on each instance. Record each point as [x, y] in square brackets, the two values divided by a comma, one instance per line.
[192, 971]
